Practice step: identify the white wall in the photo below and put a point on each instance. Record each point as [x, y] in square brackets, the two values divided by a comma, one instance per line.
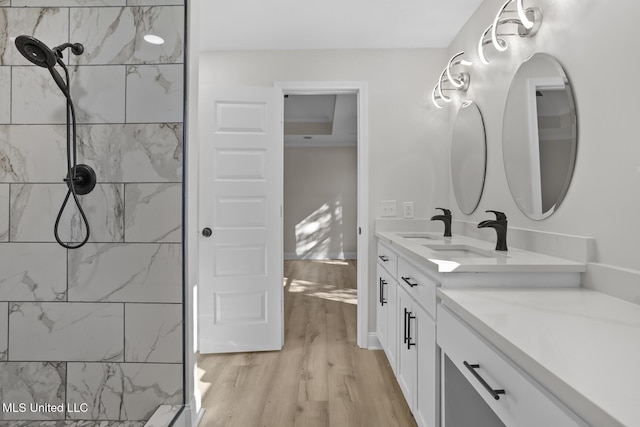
[596, 42]
[320, 202]
[407, 135]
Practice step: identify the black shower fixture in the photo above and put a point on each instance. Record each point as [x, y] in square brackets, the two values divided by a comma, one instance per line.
[81, 179]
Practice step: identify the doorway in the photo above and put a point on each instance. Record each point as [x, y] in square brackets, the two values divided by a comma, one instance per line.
[359, 89]
[320, 177]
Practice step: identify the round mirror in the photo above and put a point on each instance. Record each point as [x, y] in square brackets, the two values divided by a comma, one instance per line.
[539, 136]
[468, 157]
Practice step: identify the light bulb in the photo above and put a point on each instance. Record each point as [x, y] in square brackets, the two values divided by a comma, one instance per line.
[522, 15]
[455, 82]
[500, 45]
[481, 55]
[442, 95]
[433, 97]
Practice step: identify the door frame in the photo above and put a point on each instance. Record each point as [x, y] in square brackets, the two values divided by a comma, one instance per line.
[360, 89]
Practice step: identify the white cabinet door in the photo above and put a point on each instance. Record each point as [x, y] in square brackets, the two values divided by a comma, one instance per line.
[241, 189]
[426, 403]
[407, 346]
[382, 310]
[392, 323]
[387, 323]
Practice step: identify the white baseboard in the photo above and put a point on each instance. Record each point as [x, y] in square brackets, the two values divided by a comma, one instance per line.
[330, 255]
[373, 343]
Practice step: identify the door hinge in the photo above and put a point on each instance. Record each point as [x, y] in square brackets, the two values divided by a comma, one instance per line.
[359, 230]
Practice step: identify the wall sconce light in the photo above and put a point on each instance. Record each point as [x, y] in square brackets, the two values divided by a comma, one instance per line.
[458, 81]
[528, 22]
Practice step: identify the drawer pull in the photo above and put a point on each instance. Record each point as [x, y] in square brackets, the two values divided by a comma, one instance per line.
[494, 393]
[407, 280]
[384, 258]
[383, 300]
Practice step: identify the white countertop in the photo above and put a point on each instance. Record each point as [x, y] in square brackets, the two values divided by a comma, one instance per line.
[512, 261]
[581, 345]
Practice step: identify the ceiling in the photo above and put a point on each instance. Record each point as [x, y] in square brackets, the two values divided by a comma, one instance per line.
[331, 24]
[320, 120]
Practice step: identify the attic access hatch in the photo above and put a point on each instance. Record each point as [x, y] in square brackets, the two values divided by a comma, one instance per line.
[320, 120]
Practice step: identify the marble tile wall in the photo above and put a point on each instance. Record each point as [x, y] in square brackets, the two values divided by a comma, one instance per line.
[100, 325]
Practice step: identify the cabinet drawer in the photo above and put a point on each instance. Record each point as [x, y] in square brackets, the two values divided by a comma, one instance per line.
[388, 259]
[523, 404]
[419, 285]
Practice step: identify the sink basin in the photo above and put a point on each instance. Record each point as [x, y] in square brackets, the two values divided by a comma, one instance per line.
[464, 251]
[420, 236]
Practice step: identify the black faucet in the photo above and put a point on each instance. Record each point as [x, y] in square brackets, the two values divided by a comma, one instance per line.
[446, 218]
[500, 225]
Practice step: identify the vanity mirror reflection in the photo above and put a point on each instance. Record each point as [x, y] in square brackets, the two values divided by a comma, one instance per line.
[539, 136]
[468, 157]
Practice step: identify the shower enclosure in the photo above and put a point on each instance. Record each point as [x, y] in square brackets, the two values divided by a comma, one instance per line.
[93, 328]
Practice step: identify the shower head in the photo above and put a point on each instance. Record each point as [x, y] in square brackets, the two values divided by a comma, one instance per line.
[39, 54]
[36, 52]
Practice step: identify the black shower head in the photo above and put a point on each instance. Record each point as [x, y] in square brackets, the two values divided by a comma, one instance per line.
[36, 51]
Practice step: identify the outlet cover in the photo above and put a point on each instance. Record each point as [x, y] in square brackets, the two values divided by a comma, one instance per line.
[388, 208]
[407, 209]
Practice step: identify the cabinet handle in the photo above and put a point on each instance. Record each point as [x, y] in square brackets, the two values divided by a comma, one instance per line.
[384, 258]
[383, 282]
[405, 326]
[409, 343]
[494, 393]
[407, 280]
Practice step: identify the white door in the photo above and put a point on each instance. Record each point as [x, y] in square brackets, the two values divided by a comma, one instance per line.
[241, 190]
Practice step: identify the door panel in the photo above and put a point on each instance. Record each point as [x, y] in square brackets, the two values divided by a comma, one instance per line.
[407, 357]
[241, 185]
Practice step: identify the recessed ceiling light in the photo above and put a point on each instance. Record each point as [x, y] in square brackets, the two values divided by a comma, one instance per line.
[153, 39]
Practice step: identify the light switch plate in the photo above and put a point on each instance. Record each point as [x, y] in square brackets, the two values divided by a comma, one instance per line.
[407, 209]
[388, 208]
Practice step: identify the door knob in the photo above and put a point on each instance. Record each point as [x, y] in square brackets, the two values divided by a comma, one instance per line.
[206, 232]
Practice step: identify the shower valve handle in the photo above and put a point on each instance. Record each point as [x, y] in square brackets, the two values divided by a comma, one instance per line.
[206, 232]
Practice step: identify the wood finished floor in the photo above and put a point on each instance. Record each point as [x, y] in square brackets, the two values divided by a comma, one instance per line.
[320, 377]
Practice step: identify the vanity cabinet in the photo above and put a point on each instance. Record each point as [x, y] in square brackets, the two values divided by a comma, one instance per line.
[410, 275]
[406, 329]
[387, 304]
[511, 395]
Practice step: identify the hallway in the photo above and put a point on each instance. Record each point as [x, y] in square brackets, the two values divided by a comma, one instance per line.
[320, 378]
